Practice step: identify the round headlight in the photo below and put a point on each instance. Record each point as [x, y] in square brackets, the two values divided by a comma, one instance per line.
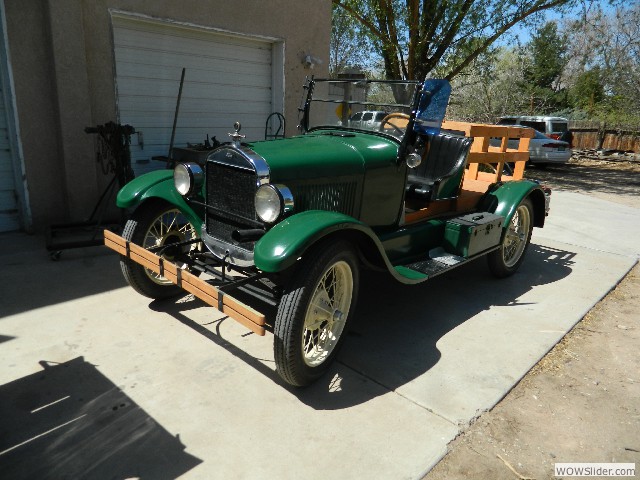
[268, 203]
[187, 177]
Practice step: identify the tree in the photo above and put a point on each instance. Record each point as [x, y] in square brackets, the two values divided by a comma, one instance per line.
[543, 72]
[349, 46]
[587, 93]
[415, 36]
[490, 87]
[608, 43]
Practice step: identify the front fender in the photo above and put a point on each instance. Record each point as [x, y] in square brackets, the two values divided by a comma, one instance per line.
[158, 184]
[281, 246]
[503, 199]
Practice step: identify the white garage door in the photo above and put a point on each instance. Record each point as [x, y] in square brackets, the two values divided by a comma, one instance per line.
[228, 78]
[9, 214]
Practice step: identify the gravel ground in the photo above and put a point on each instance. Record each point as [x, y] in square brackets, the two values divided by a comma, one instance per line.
[581, 403]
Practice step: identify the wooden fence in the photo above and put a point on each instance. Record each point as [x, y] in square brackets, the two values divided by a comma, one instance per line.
[593, 135]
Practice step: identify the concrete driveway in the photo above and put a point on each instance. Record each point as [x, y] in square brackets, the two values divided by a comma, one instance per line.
[99, 382]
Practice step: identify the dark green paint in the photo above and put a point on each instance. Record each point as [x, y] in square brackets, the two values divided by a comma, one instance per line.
[413, 242]
[281, 246]
[325, 153]
[284, 244]
[158, 184]
[503, 199]
[326, 156]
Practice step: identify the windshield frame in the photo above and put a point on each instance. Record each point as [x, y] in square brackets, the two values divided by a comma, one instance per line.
[414, 88]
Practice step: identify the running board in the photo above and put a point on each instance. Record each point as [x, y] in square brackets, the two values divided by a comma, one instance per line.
[438, 262]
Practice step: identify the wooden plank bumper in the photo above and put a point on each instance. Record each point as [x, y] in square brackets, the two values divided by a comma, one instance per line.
[247, 316]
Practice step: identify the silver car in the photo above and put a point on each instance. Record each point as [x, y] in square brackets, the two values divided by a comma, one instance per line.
[542, 149]
[368, 119]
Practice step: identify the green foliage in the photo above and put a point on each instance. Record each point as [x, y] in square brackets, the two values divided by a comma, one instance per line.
[548, 57]
[587, 93]
[490, 88]
[350, 47]
[604, 68]
[414, 37]
[542, 75]
[586, 66]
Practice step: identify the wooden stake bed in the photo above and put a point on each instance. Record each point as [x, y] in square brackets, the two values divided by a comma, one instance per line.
[475, 182]
[247, 316]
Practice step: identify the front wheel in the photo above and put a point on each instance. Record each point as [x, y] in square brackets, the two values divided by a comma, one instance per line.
[155, 223]
[504, 261]
[314, 312]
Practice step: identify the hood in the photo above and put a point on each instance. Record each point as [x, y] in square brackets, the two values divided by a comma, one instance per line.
[325, 154]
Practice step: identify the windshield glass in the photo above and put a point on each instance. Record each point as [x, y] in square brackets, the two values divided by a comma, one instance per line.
[372, 105]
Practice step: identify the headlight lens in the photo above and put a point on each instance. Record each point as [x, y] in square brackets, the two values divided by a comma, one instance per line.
[269, 204]
[187, 177]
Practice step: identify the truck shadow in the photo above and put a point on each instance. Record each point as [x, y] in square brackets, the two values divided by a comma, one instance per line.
[397, 328]
[393, 337]
[70, 421]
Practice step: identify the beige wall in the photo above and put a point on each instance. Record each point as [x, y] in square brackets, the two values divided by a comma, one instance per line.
[62, 61]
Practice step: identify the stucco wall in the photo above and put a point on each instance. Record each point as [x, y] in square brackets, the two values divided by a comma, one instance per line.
[62, 62]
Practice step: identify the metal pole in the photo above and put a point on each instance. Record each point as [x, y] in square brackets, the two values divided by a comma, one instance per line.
[175, 118]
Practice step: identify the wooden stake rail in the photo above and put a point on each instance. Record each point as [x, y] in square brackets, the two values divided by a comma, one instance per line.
[475, 183]
[483, 153]
[247, 316]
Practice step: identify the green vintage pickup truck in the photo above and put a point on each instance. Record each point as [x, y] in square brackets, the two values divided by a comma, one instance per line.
[293, 222]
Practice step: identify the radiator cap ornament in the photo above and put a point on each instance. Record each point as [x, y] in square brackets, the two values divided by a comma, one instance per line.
[237, 136]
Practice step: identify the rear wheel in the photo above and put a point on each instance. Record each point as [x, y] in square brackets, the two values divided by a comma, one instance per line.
[153, 224]
[504, 261]
[314, 313]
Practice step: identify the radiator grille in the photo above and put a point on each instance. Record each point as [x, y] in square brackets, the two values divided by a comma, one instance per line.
[230, 193]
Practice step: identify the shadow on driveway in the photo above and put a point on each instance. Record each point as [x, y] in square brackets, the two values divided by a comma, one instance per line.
[70, 421]
[396, 329]
[32, 280]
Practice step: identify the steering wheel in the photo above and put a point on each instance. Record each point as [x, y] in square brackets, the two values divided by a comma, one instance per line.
[397, 128]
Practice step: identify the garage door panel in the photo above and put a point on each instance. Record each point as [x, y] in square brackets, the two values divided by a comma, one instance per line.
[153, 106]
[201, 118]
[195, 72]
[198, 119]
[228, 78]
[196, 56]
[190, 43]
[156, 136]
[146, 86]
[224, 72]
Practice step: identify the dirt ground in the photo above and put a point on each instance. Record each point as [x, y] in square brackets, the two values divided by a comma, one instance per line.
[581, 403]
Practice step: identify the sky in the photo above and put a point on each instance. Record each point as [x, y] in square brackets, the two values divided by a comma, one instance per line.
[524, 32]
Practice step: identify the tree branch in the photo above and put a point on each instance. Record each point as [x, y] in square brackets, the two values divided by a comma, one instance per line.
[499, 32]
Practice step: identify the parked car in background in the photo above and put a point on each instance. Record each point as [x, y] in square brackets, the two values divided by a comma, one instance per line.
[368, 120]
[542, 149]
[553, 127]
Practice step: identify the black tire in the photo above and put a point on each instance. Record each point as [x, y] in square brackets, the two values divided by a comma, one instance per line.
[144, 229]
[303, 353]
[506, 260]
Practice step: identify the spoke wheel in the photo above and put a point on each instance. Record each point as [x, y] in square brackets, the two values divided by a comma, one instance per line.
[314, 313]
[155, 224]
[327, 312]
[507, 259]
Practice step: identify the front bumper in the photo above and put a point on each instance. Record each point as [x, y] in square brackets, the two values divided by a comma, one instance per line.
[242, 313]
